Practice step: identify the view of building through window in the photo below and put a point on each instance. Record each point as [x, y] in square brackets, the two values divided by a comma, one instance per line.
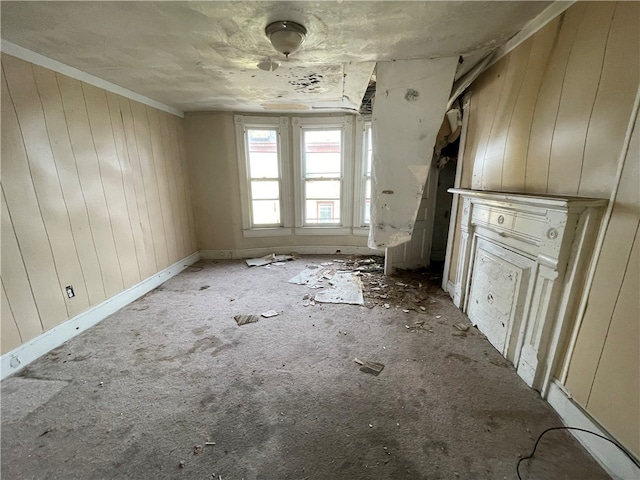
[322, 172]
[304, 173]
[262, 147]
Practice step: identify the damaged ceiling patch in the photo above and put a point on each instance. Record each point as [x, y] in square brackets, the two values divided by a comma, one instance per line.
[403, 141]
[308, 83]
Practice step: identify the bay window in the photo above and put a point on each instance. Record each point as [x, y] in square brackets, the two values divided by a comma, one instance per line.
[304, 175]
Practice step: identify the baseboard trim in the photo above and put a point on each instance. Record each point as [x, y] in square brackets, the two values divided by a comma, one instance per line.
[614, 462]
[15, 360]
[450, 288]
[303, 250]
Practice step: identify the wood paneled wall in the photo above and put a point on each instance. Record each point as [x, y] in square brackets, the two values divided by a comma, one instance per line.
[604, 373]
[94, 195]
[551, 117]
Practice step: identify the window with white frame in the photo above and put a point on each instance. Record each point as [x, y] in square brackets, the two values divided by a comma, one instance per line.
[321, 175]
[262, 147]
[264, 176]
[363, 159]
[323, 151]
[368, 159]
[321, 165]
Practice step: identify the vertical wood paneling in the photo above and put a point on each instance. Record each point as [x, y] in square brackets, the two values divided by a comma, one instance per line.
[90, 181]
[9, 329]
[176, 187]
[612, 107]
[68, 175]
[617, 379]
[517, 145]
[576, 96]
[546, 110]
[609, 276]
[111, 181]
[93, 196]
[149, 178]
[22, 204]
[512, 82]
[18, 288]
[44, 174]
[487, 106]
[162, 182]
[580, 85]
[148, 262]
[126, 169]
[179, 134]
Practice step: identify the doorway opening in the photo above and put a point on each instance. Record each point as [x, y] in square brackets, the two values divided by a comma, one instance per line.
[446, 171]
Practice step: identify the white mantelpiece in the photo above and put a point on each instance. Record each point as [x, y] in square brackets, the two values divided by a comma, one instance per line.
[521, 266]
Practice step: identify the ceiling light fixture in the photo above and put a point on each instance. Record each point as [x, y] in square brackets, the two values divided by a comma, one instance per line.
[268, 65]
[286, 36]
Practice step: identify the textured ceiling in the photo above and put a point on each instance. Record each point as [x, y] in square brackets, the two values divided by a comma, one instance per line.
[203, 55]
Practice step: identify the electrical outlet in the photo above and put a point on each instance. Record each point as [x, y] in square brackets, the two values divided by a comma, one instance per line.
[70, 292]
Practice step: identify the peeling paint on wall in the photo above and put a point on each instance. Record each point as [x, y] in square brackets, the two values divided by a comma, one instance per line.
[405, 123]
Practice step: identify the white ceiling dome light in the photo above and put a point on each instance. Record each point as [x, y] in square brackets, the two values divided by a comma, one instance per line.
[268, 65]
[286, 36]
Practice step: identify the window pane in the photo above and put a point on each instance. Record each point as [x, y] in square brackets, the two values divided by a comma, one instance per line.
[367, 212]
[322, 137]
[322, 153]
[263, 153]
[266, 212]
[323, 165]
[265, 190]
[367, 203]
[369, 152]
[322, 189]
[320, 212]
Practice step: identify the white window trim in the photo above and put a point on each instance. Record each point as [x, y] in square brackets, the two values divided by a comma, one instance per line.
[346, 191]
[359, 187]
[281, 125]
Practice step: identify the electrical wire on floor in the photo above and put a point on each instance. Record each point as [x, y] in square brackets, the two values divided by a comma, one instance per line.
[622, 449]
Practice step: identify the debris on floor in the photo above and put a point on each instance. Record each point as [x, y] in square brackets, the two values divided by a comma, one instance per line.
[344, 287]
[373, 368]
[267, 259]
[244, 319]
[339, 286]
[269, 314]
[204, 287]
[461, 326]
[181, 464]
[420, 325]
[312, 275]
[308, 300]
[197, 449]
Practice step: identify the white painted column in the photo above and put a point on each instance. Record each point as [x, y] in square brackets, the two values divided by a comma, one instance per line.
[411, 100]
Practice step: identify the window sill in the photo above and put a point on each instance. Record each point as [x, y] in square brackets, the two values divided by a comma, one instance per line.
[267, 232]
[327, 231]
[361, 231]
